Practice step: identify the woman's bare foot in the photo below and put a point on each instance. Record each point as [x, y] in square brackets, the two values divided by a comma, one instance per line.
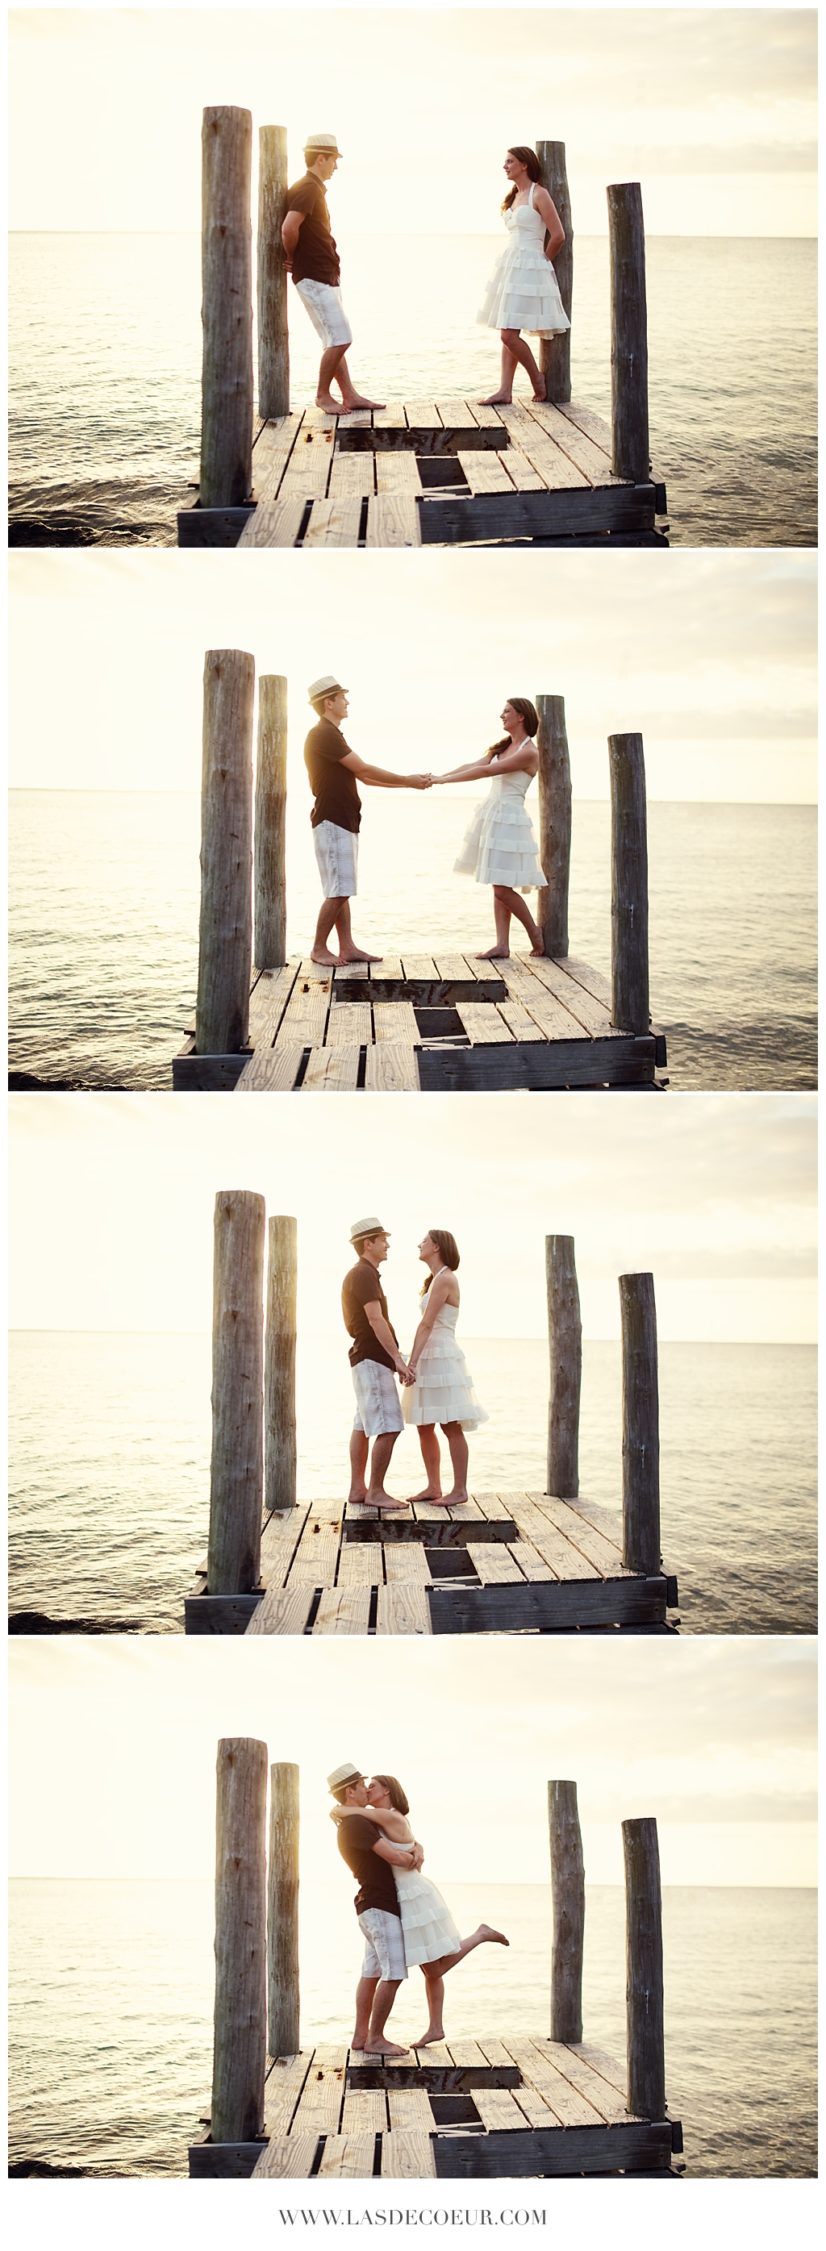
[356, 954]
[350, 405]
[434, 2033]
[384, 2048]
[498, 398]
[488, 1936]
[425, 1497]
[455, 1500]
[329, 405]
[538, 952]
[323, 958]
[494, 953]
[357, 1500]
[541, 397]
[384, 1501]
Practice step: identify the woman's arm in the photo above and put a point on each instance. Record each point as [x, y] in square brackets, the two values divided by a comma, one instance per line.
[513, 761]
[543, 203]
[435, 1298]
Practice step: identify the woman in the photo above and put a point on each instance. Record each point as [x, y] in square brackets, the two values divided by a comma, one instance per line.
[500, 846]
[441, 1390]
[523, 291]
[430, 1934]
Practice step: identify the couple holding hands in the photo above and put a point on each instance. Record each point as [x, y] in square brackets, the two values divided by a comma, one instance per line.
[437, 1386]
[499, 848]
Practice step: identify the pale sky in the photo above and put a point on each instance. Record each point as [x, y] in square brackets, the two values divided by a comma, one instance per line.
[112, 1198]
[714, 110]
[113, 1748]
[711, 656]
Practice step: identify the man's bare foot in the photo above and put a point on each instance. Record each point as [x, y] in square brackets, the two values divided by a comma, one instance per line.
[384, 1500]
[384, 2048]
[358, 2043]
[487, 1934]
[424, 1497]
[323, 958]
[357, 955]
[358, 1499]
[350, 405]
[454, 1500]
[430, 2038]
[329, 405]
[494, 953]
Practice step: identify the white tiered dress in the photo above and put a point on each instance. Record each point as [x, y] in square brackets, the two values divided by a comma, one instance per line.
[443, 1391]
[428, 1927]
[500, 846]
[523, 291]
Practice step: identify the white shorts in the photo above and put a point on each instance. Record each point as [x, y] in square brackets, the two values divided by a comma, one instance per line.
[378, 1406]
[337, 853]
[384, 1949]
[329, 319]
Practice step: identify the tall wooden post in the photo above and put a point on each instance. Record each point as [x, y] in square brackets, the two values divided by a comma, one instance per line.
[554, 823]
[565, 1356]
[568, 1896]
[225, 938]
[630, 1007]
[270, 824]
[226, 309]
[279, 1390]
[640, 1425]
[644, 1970]
[237, 1479]
[273, 337]
[556, 350]
[282, 1913]
[629, 334]
[240, 2039]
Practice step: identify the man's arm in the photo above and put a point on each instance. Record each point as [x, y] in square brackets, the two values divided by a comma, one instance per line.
[384, 1335]
[400, 1856]
[377, 777]
[290, 232]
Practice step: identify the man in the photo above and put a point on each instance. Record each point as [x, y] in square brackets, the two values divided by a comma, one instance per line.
[375, 1360]
[336, 817]
[372, 1860]
[313, 261]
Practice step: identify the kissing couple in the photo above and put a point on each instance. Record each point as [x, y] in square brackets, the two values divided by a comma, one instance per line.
[499, 848]
[405, 1922]
[436, 1380]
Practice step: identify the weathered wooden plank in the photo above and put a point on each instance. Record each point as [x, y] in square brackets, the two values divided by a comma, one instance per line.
[389, 418]
[316, 1556]
[365, 2111]
[467, 2053]
[485, 472]
[320, 2103]
[488, 417]
[268, 999]
[409, 2110]
[546, 1064]
[287, 2157]
[352, 477]
[280, 1613]
[274, 523]
[591, 1014]
[386, 971]
[282, 2088]
[456, 969]
[582, 1536]
[271, 453]
[498, 2110]
[397, 472]
[422, 414]
[333, 523]
[403, 1609]
[407, 2155]
[536, 515]
[535, 2154]
[212, 527]
[305, 1017]
[520, 1025]
[420, 967]
[405, 1563]
[348, 2157]
[533, 1565]
[343, 1610]
[494, 1564]
[558, 1607]
[483, 1023]
[574, 441]
[308, 468]
[458, 414]
[395, 1020]
[331, 1070]
[350, 1025]
[594, 425]
[391, 1068]
[598, 2060]
[271, 1070]
[360, 1563]
[393, 521]
[524, 475]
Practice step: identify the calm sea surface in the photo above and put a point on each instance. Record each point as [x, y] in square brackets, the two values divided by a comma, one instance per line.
[110, 1440]
[111, 1994]
[105, 352]
[104, 927]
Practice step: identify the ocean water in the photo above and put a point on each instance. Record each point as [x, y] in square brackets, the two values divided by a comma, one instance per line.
[109, 1483]
[111, 1996]
[105, 356]
[104, 893]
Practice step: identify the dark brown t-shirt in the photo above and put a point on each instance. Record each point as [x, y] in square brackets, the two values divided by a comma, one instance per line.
[315, 257]
[362, 1287]
[377, 1888]
[333, 785]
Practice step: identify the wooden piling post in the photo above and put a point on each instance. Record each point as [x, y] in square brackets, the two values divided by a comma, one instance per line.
[237, 1476]
[629, 334]
[240, 2038]
[554, 823]
[225, 938]
[273, 335]
[568, 1896]
[565, 1357]
[226, 309]
[630, 1007]
[644, 1970]
[270, 824]
[282, 1913]
[640, 1425]
[556, 350]
[279, 1385]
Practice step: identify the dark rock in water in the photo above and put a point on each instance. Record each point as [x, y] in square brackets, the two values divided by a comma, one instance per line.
[36, 1622]
[25, 1082]
[35, 2169]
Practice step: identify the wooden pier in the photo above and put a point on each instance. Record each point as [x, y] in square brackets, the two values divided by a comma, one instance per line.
[506, 1562]
[421, 472]
[512, 2106]
[412, 1022]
